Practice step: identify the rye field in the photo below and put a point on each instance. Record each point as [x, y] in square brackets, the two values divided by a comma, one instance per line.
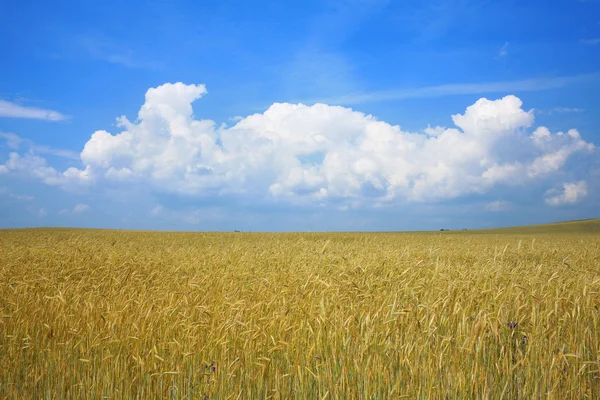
[499, 314]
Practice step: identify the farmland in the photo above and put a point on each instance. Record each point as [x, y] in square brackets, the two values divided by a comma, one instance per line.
[509, 313]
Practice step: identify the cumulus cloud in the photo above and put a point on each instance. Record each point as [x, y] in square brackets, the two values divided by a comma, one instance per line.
[572, 192]
[35, 166]
[317, 154]
[12, 110]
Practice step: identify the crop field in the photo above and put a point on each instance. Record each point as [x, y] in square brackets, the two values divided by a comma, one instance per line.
[494, 314]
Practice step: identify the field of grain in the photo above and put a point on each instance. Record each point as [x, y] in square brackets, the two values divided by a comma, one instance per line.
[115, 314]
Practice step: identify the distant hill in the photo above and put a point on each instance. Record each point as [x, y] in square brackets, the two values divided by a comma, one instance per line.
[579, 226]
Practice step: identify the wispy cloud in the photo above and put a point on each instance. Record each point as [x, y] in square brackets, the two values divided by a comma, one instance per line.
[503, 50]
[22, 197]
[12, 110]
[498, 206]
[560, 110]
[525, 85]
[591, 42]
[4, 191]
[316, 71]
[157, 210]
[15, 142]
[104, 49]
[78, 209]
[563, 110]
[431, 20]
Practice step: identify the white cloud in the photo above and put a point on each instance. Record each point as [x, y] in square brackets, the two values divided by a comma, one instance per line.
[498, 206]
[111, 51]
[560, 110]
[437, 131]
[12, 110]
[22, 197]
[42, 212]
[572, 192]
[8, 193]
[525, 85]
[37, 167]
[15, 141]
[503, 50]
[80, 208]
[12, 141]
[494, 117]
[316, 154]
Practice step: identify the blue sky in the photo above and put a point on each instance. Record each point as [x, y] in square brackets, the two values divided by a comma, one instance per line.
[299, 115]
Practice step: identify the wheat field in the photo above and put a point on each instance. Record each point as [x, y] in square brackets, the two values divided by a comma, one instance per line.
[441, 315]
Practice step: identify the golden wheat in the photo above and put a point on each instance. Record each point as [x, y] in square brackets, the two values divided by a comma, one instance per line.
[110, 314]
